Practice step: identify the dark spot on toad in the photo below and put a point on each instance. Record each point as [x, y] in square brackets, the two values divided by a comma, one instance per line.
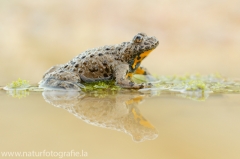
[91, 69]
[95, 68]
[106, 69]
[105, 75]
[104, 62]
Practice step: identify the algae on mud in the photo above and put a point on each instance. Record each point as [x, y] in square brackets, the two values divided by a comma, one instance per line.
[18, 84]
[194, 86]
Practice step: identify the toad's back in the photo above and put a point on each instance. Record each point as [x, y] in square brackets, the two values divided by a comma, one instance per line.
[96, 64]
[116, 62]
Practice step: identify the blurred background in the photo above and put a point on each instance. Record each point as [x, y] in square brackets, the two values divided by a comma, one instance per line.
[196, 36]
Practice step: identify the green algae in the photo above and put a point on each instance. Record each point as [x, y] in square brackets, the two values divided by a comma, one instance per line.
[195, 86]
[100, 86]
[18, 84]
[212, 83]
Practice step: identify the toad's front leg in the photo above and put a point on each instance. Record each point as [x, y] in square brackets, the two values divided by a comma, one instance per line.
[147, 74]
[142, 71]
[121, 74]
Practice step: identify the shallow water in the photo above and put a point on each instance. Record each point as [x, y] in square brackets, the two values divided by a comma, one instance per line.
[126, 125]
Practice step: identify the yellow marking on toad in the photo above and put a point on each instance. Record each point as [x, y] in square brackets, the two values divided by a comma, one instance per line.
[142, 56]
[139, 71]
[129, 75]
[139, 118]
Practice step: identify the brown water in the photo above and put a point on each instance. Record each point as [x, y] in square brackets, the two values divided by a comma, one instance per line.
[125, 125]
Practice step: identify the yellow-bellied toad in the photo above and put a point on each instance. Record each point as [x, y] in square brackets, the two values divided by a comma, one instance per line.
[110, 62]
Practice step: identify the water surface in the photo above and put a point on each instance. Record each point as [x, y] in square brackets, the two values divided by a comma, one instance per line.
[124, 125]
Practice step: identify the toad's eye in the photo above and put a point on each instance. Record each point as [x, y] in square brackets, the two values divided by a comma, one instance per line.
[137, 39]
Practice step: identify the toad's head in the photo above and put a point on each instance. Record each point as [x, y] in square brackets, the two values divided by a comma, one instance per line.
[139, 48]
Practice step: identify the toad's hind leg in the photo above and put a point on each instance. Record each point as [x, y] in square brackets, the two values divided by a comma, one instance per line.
[52, 69]
[121, 74]
[60, 79]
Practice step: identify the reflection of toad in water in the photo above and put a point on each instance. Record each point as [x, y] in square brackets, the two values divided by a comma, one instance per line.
[118, 112]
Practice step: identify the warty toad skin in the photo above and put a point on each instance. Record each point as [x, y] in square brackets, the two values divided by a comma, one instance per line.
[110, 62]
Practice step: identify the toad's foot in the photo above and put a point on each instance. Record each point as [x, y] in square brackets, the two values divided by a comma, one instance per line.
[123, 81]
[151, 80]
